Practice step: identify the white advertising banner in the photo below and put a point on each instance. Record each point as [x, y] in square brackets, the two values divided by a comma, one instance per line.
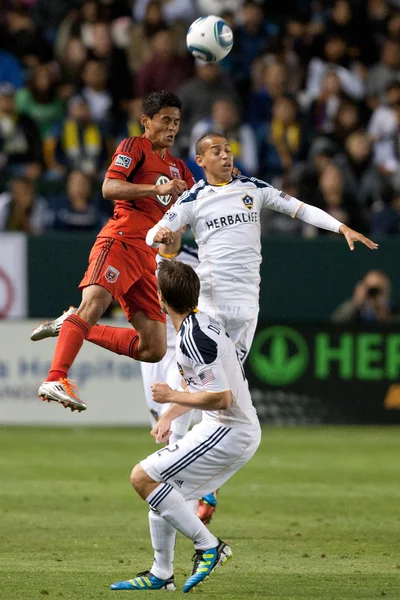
[13, 275]
[110, 384]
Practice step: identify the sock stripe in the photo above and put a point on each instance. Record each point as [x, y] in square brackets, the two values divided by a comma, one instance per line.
[161, 495]
[196, 453]
[101, 259]
[76, 321]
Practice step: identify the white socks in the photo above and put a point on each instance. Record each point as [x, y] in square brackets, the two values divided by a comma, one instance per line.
[174, 509]
[163, 537]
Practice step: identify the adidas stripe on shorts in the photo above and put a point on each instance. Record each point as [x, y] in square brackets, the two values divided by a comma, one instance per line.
[204, 459]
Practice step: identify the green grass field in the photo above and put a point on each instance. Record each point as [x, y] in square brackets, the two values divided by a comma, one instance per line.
[315, 515]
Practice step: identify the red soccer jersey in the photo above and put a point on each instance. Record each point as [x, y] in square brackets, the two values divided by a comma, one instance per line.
[135, 160]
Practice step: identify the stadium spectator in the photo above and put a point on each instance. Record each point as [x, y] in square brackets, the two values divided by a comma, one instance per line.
[199, 94]
[78, 209]
[165, 69]
[371, 302]
[384, 130]
[39, 100]
[281, 140]
[101, 48]
[10, 69]
[130, 124]
[335, 58]
[362, 180]
[80, 142]
[386, 71]
[332, 197]
[21, 209]
[95, 91]
[323, 110]
[172, 10]
[217, 7]
[140, 49]
[252, 38]
[71, 64]
[385, 216]
[20, 141]
[274, 84]
[225, 119]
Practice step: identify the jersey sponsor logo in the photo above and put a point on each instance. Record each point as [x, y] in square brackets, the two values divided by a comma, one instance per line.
[165, 200]
[111, 274]
[123, 161]
[181, 371]
[248, 201]
[232, 220]
[170, 215]
[174, 172]
[285, 196]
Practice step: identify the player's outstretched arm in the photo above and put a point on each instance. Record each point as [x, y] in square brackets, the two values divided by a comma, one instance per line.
[353, 236]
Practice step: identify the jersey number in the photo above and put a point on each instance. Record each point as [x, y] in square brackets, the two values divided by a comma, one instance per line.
[169, 449]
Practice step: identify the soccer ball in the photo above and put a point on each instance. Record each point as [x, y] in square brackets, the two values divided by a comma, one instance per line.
[209, 38]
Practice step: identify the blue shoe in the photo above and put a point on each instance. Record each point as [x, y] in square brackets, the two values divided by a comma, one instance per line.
[145, 581]
[205, 562]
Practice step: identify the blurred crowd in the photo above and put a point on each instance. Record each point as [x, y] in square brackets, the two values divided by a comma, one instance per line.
[309, 99]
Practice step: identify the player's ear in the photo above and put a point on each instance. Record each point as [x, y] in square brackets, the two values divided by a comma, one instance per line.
[144, 119]
[199, 160]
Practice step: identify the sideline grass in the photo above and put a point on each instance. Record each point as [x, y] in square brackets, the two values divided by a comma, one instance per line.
[315, 515]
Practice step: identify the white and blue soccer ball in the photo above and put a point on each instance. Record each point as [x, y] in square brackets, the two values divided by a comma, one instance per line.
[209, 38]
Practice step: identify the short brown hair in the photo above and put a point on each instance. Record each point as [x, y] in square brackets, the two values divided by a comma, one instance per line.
[179, 285]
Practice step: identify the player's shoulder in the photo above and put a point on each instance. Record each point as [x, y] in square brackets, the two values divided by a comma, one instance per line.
[198, 332]
[252, 182]
[192, 194]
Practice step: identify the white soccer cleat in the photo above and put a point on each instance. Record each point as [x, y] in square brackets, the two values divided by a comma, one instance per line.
[51, 328]
[63, 392]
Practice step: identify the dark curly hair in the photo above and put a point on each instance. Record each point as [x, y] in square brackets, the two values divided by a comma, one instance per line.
[155, 101]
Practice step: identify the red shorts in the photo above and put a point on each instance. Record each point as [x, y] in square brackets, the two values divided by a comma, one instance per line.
[128, 274]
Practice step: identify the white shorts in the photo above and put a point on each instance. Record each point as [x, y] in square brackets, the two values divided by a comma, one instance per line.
[165, 370]
[240, 322]
[204, 459]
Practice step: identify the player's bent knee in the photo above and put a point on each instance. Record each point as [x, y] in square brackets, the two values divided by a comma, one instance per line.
[135, 476]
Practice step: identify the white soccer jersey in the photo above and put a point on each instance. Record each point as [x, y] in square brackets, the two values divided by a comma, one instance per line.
[225, 221]
[208, 361]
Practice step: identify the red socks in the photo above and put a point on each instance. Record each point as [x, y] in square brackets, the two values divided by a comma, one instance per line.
[72, 334]
[120, 340]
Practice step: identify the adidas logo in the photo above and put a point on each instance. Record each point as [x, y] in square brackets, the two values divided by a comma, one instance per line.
[178, 482]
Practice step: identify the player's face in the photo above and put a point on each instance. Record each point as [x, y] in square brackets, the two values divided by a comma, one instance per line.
[216, 160]
[163, 127]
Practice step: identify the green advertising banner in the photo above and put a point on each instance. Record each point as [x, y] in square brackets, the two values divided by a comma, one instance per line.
[311, 374]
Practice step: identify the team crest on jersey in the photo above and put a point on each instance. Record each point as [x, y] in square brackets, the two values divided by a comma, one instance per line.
[111, 274]
[174, 172]
[165, 200]
[123, 161]
[248, 201]
[170, 215]
[181, 372]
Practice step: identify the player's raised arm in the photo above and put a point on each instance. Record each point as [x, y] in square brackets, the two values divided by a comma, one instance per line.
[286, 204]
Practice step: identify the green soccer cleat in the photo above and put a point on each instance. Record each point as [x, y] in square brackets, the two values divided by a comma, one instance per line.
[145, 581]
[205, 562]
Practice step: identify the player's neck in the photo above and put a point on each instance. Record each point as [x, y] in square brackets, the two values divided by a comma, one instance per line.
[177, 318]
[213, 180]
[158, 149]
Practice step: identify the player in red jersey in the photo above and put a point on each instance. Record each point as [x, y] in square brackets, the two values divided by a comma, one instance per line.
[143, 180]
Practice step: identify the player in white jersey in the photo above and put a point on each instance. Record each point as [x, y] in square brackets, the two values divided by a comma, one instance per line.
[167, 370]
[223, 211]
[227, 437]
